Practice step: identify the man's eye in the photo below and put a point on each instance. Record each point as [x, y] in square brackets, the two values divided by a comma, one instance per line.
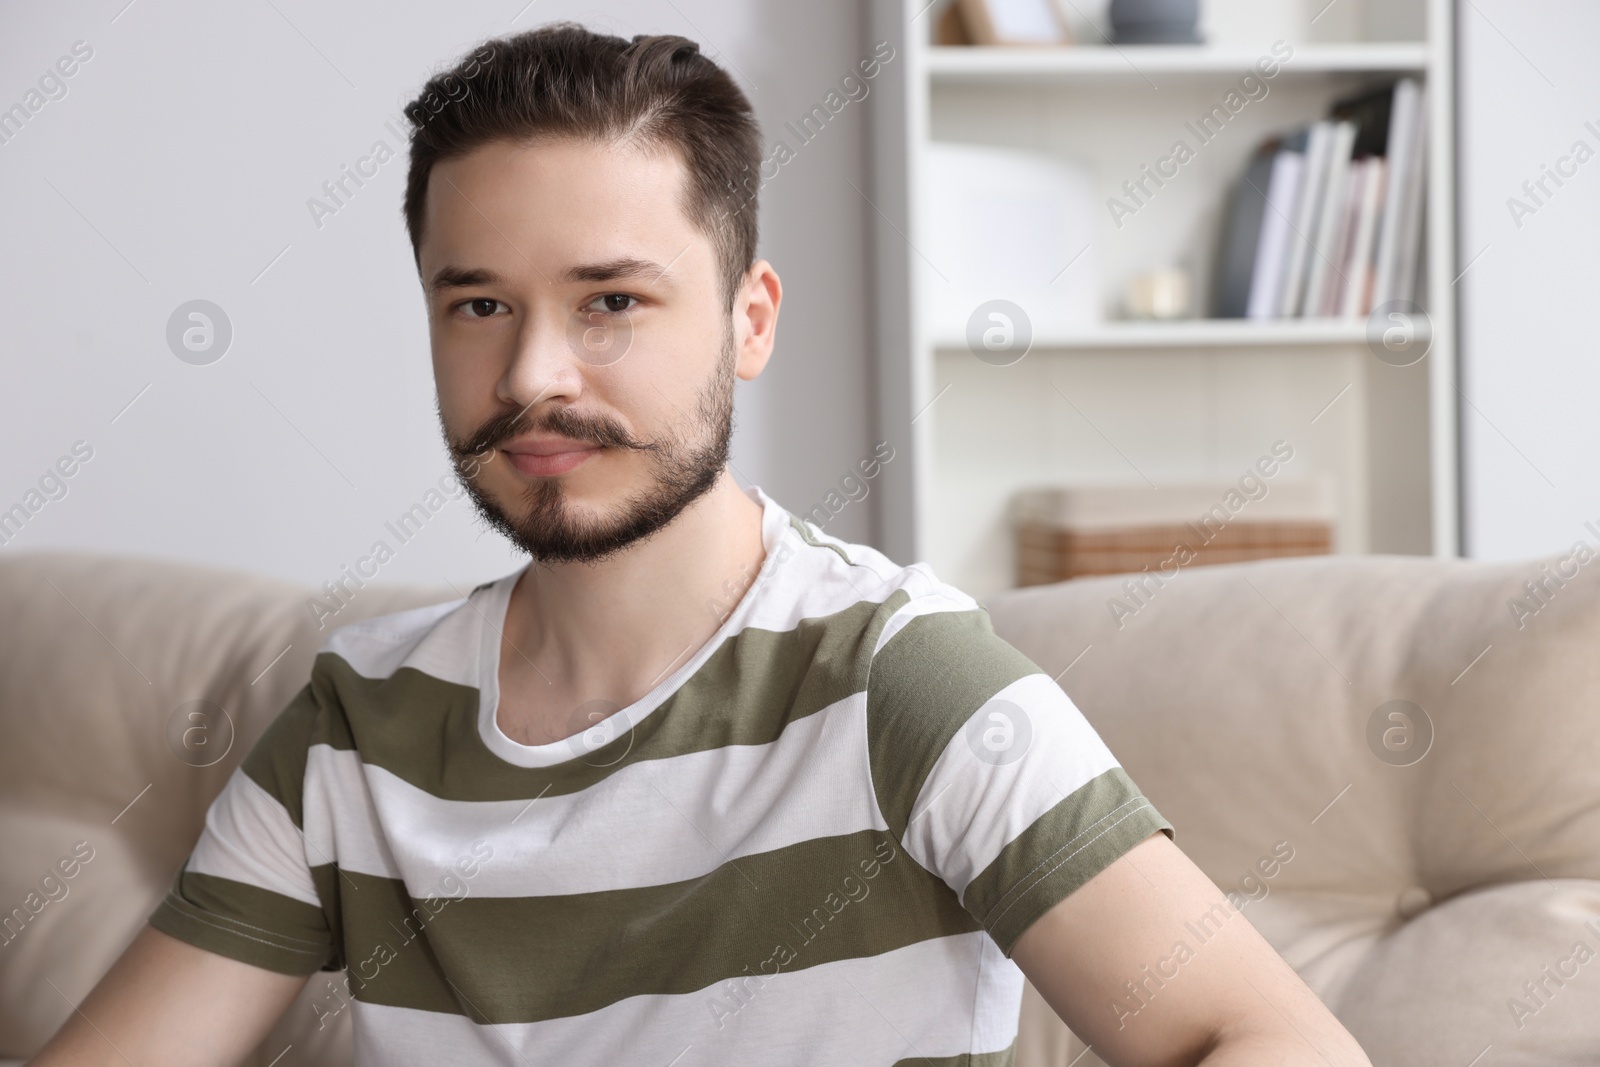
[481, 308]
[613, 303]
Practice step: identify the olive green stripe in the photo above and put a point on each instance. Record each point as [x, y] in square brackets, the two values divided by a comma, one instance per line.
[425, 730]
[282, 934]
[277, 761]
[926, 683]
[999, 1058]
[805, 535]
[1060, 851]
[331, 885]
[816, 902]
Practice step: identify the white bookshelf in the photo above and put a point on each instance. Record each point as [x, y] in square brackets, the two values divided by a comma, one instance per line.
[993, 64]
[1144, 401]
[1305, 334]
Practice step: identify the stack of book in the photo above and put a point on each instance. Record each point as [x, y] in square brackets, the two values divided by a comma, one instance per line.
[1326, 221]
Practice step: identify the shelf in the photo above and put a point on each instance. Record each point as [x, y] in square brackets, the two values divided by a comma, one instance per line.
[1198, 333]
[1162, 398]
[961, 63]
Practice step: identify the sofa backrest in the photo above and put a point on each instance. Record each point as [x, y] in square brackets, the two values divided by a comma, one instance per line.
[105, 662]
[1392, 762]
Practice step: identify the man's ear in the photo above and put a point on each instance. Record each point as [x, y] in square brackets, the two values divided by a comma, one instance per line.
[755, 314]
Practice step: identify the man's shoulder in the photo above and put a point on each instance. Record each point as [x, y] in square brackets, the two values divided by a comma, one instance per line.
[359, 673]
[440, 639]
[861, 574]
[920, 614]
[397, 629]
[936, 657]
[922, 643]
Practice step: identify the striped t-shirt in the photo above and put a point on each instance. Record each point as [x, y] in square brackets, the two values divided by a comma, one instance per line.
[814, 843]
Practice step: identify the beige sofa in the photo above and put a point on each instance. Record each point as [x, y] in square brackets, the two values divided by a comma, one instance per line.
[1441, 893]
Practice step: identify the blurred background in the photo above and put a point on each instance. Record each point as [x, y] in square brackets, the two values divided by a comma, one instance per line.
[1344, 316]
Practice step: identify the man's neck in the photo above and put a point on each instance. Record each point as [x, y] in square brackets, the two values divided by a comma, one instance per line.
[611, 631]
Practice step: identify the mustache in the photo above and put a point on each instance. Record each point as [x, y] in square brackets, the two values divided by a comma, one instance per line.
[513, 424]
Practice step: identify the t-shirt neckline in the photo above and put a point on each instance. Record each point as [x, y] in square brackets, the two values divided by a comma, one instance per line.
[491, 624]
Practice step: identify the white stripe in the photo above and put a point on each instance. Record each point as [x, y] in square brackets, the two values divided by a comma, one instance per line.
[945, 598]
[815, 580]
[249, 837]
[916, 1001]
[341, 820]
[969, 808]
[649, 823]
[997, 1004]
[813, 583]
[439, 639]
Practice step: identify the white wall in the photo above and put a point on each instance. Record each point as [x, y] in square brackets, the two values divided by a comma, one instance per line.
[1529, 366]
[178, 166]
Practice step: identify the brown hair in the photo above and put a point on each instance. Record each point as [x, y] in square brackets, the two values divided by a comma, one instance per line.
[562, 80]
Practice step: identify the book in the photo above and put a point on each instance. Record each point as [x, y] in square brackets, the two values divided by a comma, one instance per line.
[1402, 279]
[1331, 225]
[1399, 150]
[1324, 246]
[1272, 249]
[1356, 300]
[1241, 233]
[1333, 285]
[1403, 282]
[1319, 142]
[1370, 110]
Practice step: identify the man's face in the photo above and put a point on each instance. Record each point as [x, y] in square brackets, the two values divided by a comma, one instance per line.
[569, 297]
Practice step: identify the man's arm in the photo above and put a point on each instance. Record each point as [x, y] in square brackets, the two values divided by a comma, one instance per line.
[1151, 965]
[167, 1002]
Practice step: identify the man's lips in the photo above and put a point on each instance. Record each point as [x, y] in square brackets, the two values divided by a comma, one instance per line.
[551, 456]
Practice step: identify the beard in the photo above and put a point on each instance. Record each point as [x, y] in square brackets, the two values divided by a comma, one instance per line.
[683, 464]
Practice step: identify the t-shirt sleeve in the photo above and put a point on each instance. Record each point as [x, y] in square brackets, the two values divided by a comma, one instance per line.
[985, 770]
[247, 890]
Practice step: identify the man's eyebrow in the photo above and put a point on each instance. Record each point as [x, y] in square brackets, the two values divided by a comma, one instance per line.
[611, 270]
[462, 277]
[625, 267]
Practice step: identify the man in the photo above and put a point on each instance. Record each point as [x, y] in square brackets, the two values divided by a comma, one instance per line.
[700, 784]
